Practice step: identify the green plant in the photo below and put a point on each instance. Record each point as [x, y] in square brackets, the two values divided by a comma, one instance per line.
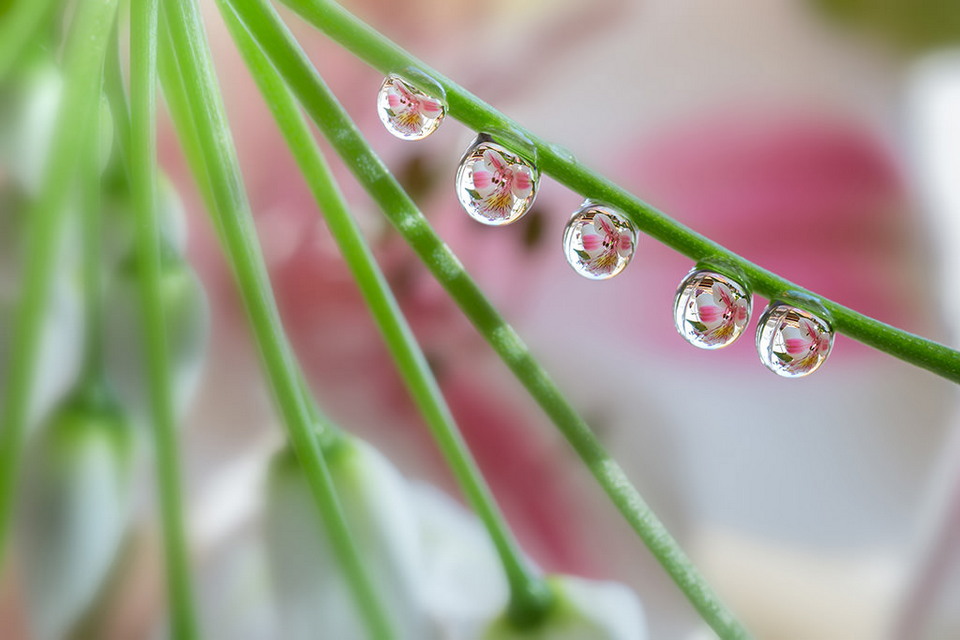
[289, 80]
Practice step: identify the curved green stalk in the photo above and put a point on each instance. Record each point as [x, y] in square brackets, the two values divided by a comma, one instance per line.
[292, 63]
[529, 593]
[386, 56]
[142, 162]
[84, 56]
[204, 117]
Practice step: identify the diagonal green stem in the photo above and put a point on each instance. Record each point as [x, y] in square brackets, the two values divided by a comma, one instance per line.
[292, 63]
[203, 116]
[175, 95]
[529, 593]
[84, 56]
[386, 56]
[143, 177]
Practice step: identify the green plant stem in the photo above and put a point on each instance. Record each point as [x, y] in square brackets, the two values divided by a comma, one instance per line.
[84, 55]
[175, 96]
[292, 63]
[205, 118]
[382, 54]
[143, 178]
[92, 369]
[530, 596]
[19, 26]
[117, 98]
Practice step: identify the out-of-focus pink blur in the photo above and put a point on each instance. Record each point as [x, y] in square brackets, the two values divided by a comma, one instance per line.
[762, 125]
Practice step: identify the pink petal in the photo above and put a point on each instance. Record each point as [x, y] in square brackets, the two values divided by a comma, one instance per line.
[603, 220]
[430, 107]
[722, 293]
[740, 315]
[404, 91]
[494, 160]
[625, 244]
[482, 180]
[709, 314]
[393, 100]
[591, 242]
[522, 184]
[796, 345]
[809, 328]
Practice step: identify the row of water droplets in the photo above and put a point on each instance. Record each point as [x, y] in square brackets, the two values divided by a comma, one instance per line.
[497, 187]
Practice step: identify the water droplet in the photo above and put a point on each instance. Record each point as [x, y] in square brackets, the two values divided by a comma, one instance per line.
[598, 241]
[494, 185]
[792, 342]
[407, 112]
[711, 310]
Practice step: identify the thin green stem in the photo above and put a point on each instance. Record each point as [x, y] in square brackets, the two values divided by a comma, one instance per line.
[529, 592]
[117, 98]
[90, 33]
[175, 96]
[143, 178]
[23, 20]
[292, 63]
[205, 118]
[386, 56]
[92, 370]
[329, 436]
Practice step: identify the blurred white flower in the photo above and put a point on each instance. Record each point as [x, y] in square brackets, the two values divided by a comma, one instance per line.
[311, 591]
[28, 123]
[187, 318]
[76, 507]
[60, 350]
[432, 562]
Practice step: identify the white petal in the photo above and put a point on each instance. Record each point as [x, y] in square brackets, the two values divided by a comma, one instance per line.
[456, 545]
[792, 333]
[80, 479]
[312, 592]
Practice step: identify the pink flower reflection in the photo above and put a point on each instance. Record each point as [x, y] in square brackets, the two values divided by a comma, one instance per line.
[605, 244]
[805, 345]
[720, 313]
[497, 182]
[410, 110]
